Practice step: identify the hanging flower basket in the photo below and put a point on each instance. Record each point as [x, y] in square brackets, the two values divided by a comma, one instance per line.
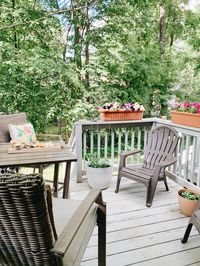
[186, 119]
[116, 112]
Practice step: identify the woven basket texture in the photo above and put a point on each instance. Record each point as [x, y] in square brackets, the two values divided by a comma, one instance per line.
[25, 229]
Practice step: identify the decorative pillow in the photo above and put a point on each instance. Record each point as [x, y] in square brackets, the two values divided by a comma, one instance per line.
[22, 133]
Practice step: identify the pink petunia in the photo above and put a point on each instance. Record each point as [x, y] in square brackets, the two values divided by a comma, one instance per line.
[186, 104]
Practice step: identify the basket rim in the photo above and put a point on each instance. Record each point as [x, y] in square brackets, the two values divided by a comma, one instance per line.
[184, 113]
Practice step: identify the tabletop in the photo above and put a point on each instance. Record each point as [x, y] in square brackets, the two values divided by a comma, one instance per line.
[8, 159]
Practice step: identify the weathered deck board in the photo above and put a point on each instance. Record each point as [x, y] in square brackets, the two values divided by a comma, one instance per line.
[137, 235]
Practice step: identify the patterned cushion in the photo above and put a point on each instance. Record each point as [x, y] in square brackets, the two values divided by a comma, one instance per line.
[22, 133]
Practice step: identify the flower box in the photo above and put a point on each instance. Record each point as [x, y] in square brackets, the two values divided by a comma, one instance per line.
[186, 119]
[116, 115]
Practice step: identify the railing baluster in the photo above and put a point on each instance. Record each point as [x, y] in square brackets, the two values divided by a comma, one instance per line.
[181, 155]
[126, 139]
[145, 137]
[186, 157]
[119, 142]
[192, 165]
[106, 144]
[132, 142]
[91, 142]
[139, 144]
[176, 165]
[112, 144]
[198, 162]
[98, 143]
[84, 145]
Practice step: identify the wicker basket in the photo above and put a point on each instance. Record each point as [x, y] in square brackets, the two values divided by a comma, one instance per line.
[186, 119]
[115, 115]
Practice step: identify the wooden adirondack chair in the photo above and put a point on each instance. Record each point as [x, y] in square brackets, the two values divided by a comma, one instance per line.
[159, 153]
[32, 233]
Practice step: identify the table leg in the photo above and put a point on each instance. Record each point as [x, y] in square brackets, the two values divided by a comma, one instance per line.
[55, 180]
[41, 169]
[66, 180]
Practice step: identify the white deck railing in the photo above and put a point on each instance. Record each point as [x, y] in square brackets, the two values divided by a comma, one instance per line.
[108, 139]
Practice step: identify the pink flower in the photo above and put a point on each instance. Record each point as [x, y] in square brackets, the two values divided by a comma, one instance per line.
[195, 104]
[177, 104]
[186, 104]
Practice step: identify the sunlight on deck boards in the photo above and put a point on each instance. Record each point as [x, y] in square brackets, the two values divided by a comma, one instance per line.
[137, 235]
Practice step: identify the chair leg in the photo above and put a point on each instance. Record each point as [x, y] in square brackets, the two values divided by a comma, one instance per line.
[150, 193]
[187, 233]
[166, 185]
[101, 222]
[118, 183]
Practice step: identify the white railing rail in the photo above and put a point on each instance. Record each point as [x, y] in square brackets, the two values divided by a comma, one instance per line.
[108, 139]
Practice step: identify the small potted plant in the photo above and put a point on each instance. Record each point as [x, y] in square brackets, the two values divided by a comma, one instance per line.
[188, 200]
[99, 172]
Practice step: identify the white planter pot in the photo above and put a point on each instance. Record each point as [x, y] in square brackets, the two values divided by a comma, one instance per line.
[99, 177]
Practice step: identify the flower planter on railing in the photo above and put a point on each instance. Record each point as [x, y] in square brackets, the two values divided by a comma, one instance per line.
[117, 115]
[186, 119]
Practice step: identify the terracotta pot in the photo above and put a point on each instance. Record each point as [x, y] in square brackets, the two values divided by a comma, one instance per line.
[186, 119]
[187, 206]
[117, 115]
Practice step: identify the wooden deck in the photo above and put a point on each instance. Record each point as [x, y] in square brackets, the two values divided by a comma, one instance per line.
[137, 235]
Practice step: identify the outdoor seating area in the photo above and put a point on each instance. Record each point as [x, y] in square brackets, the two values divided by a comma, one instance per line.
[128, 232]
[99, 133]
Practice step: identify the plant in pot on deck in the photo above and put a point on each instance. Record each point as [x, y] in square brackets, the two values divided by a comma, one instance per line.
[187, 114]
[99, 172]
[188, 200]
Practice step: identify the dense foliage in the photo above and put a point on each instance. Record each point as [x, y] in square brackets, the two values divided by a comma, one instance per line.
[61, 59]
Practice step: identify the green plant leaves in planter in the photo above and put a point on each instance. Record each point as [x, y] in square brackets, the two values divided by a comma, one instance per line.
[95, 162]
[189, 195]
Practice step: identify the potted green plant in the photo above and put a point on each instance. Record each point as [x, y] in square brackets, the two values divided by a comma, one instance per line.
[99, 172]
[188, 200]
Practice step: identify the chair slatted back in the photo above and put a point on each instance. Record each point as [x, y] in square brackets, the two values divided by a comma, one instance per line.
[14, 119]
[161, 145]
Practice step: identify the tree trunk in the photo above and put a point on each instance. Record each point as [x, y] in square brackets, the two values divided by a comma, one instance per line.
[172, 33]
[14, 29]
[87, 54]
[162, 30]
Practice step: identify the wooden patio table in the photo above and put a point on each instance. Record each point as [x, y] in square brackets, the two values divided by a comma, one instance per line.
[39, 158]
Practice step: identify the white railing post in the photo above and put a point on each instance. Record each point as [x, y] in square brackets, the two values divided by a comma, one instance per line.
[79, 145]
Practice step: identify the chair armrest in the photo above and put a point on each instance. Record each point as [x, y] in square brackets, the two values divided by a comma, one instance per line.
[123, 157]
[162, 165]
[70, 230]
[128, 153]
[166, 163]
